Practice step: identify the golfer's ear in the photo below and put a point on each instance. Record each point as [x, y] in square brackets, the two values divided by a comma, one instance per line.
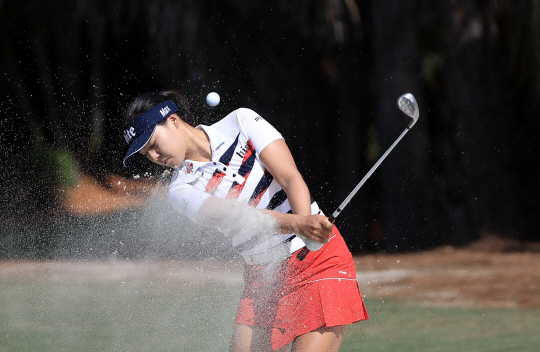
[175, 119]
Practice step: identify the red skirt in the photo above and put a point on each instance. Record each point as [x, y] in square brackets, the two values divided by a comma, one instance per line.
[295, 297]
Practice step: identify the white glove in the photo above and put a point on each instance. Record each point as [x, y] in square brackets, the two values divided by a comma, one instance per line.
[311, 245]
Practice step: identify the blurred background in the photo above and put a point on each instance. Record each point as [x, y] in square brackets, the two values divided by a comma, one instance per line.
[326, 73]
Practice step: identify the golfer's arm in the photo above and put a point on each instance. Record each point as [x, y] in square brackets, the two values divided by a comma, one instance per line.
[277, 159]
[227, 214]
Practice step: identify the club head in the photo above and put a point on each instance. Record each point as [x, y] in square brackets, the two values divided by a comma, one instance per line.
[409, 106]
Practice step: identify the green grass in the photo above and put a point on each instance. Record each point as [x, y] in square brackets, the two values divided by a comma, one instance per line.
[116, 316]
[412, 326]
[57, 314]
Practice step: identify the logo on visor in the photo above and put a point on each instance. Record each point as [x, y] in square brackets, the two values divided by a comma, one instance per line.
[129, 134]
[165, 111]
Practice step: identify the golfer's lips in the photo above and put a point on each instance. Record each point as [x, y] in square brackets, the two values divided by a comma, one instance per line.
[165, 161]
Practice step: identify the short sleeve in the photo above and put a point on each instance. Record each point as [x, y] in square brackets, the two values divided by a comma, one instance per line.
[259, 131]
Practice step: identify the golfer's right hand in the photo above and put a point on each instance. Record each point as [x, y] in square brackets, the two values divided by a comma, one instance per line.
[315, 228]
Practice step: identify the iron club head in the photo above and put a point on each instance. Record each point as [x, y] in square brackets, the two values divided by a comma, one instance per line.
[407, 103]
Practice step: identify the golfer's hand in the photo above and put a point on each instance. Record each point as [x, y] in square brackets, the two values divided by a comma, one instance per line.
[316, 228]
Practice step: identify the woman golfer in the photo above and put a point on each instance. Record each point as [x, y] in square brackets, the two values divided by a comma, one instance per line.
[238, 175]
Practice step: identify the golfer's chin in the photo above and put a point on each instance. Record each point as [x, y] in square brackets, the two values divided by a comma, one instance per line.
[167, 163]
[172, 164]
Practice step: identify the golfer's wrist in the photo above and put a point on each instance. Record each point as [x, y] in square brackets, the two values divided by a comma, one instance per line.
[292, 223]
[301, 223]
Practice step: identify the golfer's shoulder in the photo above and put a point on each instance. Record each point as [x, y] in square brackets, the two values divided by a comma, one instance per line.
[236, 121]
[238, 116]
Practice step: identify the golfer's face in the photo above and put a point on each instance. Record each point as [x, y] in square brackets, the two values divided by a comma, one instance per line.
[167, 146]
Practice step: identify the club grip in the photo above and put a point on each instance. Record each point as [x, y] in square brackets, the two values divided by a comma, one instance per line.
[332, 219]
[302, 254]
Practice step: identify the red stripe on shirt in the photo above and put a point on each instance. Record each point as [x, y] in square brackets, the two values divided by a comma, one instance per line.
[214, 182]
[257, 199]
[235, 191]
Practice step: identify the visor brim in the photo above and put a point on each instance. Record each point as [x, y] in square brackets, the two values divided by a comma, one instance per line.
[138, 143]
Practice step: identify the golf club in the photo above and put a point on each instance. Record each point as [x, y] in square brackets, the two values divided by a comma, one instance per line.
[406, 103]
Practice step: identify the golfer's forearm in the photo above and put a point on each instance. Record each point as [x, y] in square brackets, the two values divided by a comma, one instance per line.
[298, 195]
[312, 227]
[232, 217]
[285, 222]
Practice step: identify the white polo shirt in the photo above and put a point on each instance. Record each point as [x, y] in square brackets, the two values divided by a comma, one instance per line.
[235, 172]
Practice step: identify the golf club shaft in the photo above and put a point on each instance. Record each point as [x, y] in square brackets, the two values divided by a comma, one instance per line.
[333, 217]
[304, 251]
[408, 105]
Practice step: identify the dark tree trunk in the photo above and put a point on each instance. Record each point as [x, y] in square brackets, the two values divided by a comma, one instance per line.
[479, 188]
[310, 68]
[404, 182]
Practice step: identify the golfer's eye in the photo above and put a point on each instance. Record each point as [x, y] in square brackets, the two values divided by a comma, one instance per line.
[145, 153]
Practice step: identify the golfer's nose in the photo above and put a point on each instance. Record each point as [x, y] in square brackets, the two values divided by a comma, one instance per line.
[152, 155]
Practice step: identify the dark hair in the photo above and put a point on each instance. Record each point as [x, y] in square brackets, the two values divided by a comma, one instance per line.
[147, 101]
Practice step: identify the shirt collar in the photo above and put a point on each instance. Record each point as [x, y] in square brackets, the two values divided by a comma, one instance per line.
[217, 141]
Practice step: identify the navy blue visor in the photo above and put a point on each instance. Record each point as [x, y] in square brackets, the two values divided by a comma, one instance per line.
[140, 129]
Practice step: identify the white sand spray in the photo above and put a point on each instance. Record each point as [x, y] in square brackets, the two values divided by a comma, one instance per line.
[237, 221]
[221, 225]
[169, 234]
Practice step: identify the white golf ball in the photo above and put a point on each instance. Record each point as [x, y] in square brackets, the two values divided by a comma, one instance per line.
[212, 99]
